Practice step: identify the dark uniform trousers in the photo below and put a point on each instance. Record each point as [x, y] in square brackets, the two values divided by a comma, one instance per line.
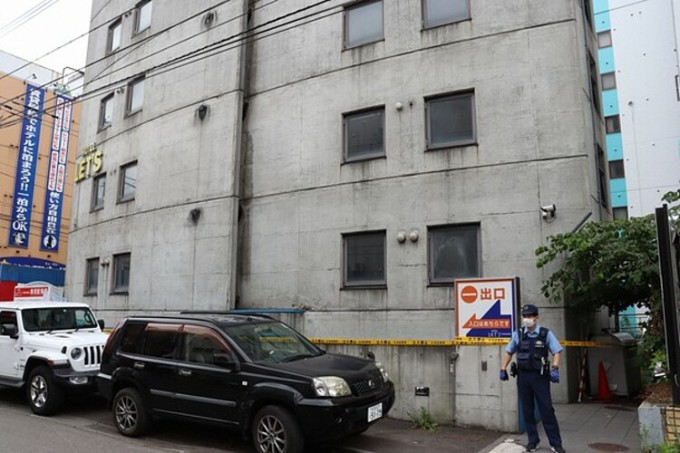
[534, 385]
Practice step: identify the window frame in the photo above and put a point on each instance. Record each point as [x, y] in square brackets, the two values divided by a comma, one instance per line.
[355, 6]
[603, 182]
[617, 169]
[346, 132]
[432, 256]
[131, 87]
[138, 15]
[117, 260]
[122, 196]
[608, 40]
[93, 202]
[363, 284]
[427, 26]
[116, 24]
[428, 123]
[90, 265]
[609, 76]
[616, 124]
[106, 101]
[619, 209]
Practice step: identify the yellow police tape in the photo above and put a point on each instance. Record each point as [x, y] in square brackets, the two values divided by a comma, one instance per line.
[458, 341]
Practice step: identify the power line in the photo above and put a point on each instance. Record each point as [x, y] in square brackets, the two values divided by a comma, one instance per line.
[26, 16]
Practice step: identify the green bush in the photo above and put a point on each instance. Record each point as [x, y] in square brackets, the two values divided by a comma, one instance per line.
[424, 420]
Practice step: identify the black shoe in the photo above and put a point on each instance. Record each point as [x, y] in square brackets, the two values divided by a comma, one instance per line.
[531, 447]
[559, 449]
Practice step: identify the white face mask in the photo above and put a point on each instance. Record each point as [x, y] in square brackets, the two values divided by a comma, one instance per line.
[528, 322]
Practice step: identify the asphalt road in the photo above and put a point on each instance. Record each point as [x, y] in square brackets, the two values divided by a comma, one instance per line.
[84, 425]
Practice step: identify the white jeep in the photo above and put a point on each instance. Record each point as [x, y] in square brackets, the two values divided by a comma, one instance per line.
[50, 348]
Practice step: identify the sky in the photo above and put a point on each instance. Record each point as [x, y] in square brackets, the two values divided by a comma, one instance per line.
[55, 23]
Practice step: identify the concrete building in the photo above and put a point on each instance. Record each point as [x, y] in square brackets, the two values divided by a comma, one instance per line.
[38, 139]
[349, 161]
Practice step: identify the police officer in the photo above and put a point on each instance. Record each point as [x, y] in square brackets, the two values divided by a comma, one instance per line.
[532, 343]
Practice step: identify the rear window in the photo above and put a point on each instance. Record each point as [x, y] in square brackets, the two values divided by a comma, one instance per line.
[160, 340]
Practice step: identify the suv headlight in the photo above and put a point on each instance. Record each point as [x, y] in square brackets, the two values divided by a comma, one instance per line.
[76, 353]
[331, 386]
[382, 371]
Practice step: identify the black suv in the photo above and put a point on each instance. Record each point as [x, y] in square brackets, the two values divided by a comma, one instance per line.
[249, 372]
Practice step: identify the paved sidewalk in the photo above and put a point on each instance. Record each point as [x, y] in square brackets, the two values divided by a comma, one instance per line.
[585, 427]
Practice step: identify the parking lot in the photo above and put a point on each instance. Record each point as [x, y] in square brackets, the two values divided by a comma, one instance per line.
[85, 425]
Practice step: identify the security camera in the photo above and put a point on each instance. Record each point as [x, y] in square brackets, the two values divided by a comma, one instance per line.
[548, 212]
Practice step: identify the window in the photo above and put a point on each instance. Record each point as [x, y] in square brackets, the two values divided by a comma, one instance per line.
[602, 177]
[106, 112]
[620, 213]
[450, 121]
[128, 182]
[612, 124]
[160, 340]
[201, 344]
[113, 40]
[121, 273]
[595, 91]
[364, 259]
[440, 12]
[364, 135]
[132, 337]
[92, 276]
[135, 96]
[98, 192]
[604, 39]
[363, 23]
[454, 253]
[608, 81]
[616, 169]
[7, 318]
[588, 12]
[143, 16]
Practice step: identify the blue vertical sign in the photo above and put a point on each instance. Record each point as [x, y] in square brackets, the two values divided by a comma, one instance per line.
[56, 174]
[22, 203]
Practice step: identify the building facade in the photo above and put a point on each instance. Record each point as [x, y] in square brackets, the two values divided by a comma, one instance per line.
[38, 139]
[347, 161]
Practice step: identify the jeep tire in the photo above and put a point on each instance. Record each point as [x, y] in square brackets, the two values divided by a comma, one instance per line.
[129, 413]
[276, 430]
[44, 396]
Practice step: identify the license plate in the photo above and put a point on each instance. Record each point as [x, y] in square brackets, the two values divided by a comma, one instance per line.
[374, 412]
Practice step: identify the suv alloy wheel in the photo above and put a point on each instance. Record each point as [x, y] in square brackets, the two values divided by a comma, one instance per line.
[129, 413]
[44, 396]
[276, 431]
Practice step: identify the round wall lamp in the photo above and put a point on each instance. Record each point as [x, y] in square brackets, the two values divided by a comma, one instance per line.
[413, 235]
[401, 237]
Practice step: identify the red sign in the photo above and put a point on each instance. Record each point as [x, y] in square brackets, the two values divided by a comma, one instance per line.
[30, 291]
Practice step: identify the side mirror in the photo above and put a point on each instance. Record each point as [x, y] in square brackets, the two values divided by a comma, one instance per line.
[227, 361]
[101, 323]
[10, 330]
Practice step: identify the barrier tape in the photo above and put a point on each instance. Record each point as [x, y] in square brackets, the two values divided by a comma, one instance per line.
[458, 341]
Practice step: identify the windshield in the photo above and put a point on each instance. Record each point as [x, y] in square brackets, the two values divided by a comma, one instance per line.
[58, 318]
[271, 342]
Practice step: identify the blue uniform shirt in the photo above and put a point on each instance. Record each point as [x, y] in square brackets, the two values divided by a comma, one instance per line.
[553, 345]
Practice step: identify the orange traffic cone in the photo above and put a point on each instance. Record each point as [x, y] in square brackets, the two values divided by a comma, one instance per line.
[603, 393]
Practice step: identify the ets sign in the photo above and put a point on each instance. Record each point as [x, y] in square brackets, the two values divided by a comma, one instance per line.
[486, 307]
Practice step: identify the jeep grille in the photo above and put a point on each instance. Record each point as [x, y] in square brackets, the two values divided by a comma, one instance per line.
[93, 355]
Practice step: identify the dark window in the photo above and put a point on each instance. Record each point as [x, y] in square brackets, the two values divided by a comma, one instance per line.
[604, 39]
[143, 16]
[620, 213]
[608, 81]
[106, 112]
[364, 135]
[128, 182]
[593, 83]
[602, 178]
[454, 253]
[121, 273]
[363, 23]
[451, 121]
[132, 337]
[616, 169]
[365, 259]
[7, 318]
[113, 40]
[201, 344]
[92, 276]
[588, 12]
[98, 192]
[612, 124]
[440, 12]
[160, 340]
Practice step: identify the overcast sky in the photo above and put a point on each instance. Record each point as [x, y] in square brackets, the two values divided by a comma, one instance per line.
[60, 22]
